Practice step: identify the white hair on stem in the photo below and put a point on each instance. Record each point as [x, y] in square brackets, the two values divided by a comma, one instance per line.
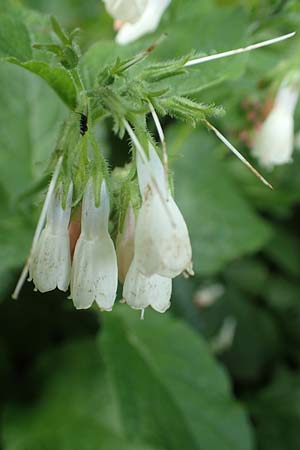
[249, 48]
[39, 228]
[238, 154]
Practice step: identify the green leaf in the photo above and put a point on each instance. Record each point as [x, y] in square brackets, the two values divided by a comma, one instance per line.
[281, 251]
[169, 389]
[57, 77]
[254, 348]
[89, 422]
[206, 28]
[276, 413]
[30, 116]
[18, 30]
[14, 38]
[222, 224]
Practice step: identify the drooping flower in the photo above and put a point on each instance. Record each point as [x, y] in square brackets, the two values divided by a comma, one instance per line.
[125, 244]
[94, 270]
[162, 243]
[141, 291]
[51, 262]
[274, 141]
[139, 16]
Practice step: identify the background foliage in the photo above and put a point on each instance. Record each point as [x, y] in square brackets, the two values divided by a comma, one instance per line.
[80, 380]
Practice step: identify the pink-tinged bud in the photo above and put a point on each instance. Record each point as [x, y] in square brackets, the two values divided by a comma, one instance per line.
[74, 230]
[125, 244]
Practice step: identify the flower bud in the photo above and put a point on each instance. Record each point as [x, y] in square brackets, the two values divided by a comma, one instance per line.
[74, 230]
[274, 141]
[125, 244]
[140, 291]
[162, 243]
[51, 261]
[94, 271]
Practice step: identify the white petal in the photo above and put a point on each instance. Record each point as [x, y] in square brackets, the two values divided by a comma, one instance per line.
[140, 291]
[58, 218]
[149, 169]
[274, 142]
[51, 265]
[94, 273]
[287, 97]
[94, 219]
[95, 270]
[162, 243]
[125, 10]
[147, 22]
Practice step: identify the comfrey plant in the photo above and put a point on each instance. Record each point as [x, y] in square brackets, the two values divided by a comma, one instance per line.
[133, 206]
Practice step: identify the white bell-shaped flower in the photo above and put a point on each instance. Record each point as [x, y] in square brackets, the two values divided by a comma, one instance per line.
[124, 10]
[274, 141]
[140, 291]
[94, 270]
[140, 17]
[162, 243]
[51, 260]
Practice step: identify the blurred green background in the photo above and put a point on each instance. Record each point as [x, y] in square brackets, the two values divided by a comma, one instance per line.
[87, 381]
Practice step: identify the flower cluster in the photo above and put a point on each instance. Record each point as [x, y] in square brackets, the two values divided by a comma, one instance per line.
[130, 227]
[151, 251]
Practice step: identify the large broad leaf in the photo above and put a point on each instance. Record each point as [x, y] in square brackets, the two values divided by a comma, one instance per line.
[57, 77]
[221, 222]
[254, 349]
[167, 385]
[14, 38]
[276, 413]
[30, 115]
[152, 386]
[18, 31]
[76, 409]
